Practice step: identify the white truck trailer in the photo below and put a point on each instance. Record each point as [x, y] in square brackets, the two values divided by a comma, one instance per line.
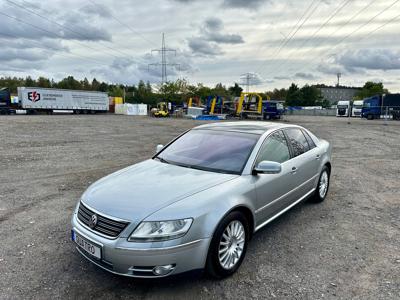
[48, 100]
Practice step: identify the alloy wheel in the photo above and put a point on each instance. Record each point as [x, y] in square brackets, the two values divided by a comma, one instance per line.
[231, 245]
[323, 184]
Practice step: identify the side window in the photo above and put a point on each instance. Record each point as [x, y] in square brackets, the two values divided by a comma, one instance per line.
[298, 141]
[275, 148]
[309, 140]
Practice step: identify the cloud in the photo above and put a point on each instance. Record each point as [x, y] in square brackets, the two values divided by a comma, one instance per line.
[35, 27]
[307, 76]
[361, 61]
[213, 23]
[87, 30]
[129, 71]
[370, 59]
[212, 30]
[210, 36]
[29, 55]
[282, 78]
[328, 68]
[224, 38]
[200, 46]
[249, 4]
[97, 10]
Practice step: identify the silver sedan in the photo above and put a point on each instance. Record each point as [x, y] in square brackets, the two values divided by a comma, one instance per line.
[198, 201]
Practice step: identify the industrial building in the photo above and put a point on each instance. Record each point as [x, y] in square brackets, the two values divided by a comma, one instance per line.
[337, 93]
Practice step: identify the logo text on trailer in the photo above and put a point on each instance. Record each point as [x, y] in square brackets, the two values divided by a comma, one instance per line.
[34, 96]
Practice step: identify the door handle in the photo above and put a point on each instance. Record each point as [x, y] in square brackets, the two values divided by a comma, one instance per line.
[317, 157]
[294, 170]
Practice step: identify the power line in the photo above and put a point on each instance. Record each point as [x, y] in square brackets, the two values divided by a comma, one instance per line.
[126, 25]
[44, 30]
[294, 32]
[293, 28]
[344, 3]
[360, 27]
[69, 29]
[367, 23]
[163, 51]
[247, 77]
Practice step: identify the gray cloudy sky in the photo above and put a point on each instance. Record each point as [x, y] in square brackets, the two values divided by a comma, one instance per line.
[216, 40]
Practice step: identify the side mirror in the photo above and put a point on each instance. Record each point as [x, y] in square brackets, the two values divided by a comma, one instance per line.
[267, 167]
[159, 148]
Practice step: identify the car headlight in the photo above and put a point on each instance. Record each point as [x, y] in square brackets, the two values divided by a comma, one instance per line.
[160, 230]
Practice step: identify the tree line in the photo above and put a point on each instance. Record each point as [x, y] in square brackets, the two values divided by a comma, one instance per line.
[180, 90]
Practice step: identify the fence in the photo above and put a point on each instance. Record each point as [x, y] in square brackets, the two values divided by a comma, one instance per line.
[312, 112]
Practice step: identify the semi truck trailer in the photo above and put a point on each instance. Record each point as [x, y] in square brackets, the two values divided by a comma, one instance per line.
[35, 100]
[381, 105]
[41, 99]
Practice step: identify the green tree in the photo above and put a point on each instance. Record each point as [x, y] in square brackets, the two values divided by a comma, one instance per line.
[29, 82]
[277, 94]
[69, 83]
[95, 85]
[235, 90]
[293, 95]
[86, 85]
[43, 82]
[309, 95]
[371, 89]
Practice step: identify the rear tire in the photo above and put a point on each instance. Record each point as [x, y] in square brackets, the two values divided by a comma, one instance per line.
[228, 245]
[322, 187]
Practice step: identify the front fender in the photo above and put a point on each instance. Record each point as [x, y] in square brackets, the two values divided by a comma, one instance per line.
[208, 208]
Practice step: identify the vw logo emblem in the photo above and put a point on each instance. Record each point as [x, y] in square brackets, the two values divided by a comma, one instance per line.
[93, 221]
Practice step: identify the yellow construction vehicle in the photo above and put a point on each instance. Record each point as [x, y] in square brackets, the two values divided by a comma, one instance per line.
[162, 110]
[247, 107]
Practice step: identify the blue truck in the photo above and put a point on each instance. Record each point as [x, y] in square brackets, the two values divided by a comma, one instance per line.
[6, 107]
[272, 109]
[378, 105]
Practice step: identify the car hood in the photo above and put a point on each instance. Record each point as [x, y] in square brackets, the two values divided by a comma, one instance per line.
[135, 192]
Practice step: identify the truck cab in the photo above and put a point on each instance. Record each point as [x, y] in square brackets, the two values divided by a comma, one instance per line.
[343, 109]
[357, 108]
[5, 102]
[372, 108]
[272, 109]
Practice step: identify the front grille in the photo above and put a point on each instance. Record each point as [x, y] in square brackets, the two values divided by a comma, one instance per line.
[105, 226]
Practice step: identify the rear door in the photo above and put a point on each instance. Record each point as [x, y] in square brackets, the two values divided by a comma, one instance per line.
[303, 163]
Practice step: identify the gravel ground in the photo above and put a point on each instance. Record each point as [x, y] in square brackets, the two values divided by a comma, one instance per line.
[345, 248]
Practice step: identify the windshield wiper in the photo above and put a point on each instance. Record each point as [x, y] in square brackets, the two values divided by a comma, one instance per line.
[163, 160]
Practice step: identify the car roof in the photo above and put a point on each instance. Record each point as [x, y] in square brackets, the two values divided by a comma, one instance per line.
[255, 127]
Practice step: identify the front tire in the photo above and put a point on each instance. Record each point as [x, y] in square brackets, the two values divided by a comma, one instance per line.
[228, 245]
[323, 186]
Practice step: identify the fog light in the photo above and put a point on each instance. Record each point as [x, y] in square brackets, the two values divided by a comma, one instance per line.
[163, 270]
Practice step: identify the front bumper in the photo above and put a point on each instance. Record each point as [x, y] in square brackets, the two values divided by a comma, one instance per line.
[121, 257]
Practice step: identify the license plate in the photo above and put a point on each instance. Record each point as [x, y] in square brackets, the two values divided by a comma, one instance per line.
[85, 245]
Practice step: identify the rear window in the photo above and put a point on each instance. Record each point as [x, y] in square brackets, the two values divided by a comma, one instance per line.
[309, 139]
[298, 141]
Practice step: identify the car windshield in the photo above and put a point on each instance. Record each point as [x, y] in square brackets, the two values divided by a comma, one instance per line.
[211, 150]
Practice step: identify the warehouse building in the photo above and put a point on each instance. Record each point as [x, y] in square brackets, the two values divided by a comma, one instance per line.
[337, 93]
